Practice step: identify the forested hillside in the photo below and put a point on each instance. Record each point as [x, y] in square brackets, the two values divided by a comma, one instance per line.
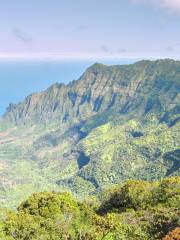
[113, 124]
[133, 210]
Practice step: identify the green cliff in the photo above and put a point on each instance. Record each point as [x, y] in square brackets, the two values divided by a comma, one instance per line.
[114, 123]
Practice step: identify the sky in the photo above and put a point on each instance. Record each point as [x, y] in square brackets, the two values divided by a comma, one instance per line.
[89, 29]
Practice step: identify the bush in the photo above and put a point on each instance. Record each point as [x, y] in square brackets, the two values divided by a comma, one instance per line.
[173, 235]
[134, 210]
[132, 195]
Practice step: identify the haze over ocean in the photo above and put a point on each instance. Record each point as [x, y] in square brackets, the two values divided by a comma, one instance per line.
[20, 78]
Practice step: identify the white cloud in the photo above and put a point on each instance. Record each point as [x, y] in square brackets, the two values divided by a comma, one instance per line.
[171, 5]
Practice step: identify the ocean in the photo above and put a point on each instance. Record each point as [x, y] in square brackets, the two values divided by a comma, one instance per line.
[20, 78]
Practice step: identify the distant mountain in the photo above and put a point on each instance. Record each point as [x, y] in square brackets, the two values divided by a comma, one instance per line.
[114, 123]
[144, 86]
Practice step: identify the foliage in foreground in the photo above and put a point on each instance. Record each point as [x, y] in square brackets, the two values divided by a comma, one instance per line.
[134, 210]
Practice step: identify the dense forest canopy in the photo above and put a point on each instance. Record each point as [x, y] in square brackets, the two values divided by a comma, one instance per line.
[133, 210]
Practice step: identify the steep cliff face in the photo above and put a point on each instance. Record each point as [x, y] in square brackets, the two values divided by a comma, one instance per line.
[142, 87]
[113, 123]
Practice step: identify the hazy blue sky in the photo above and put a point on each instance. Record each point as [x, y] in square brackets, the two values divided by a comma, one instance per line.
[85, 28]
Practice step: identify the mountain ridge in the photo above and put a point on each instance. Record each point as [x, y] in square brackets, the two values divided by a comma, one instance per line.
[99, 84]
[112, 124]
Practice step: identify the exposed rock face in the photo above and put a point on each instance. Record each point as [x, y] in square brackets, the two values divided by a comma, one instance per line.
[144, 86]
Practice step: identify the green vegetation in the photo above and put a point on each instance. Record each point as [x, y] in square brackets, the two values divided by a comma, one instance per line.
[117, 151]
[113, 124]
[133, 210]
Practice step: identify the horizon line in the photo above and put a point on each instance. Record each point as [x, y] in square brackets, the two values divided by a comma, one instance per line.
[67, 56]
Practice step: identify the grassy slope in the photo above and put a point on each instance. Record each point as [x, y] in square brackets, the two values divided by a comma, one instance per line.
[24, 169]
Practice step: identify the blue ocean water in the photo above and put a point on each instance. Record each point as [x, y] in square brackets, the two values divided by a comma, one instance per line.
[18, 79]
